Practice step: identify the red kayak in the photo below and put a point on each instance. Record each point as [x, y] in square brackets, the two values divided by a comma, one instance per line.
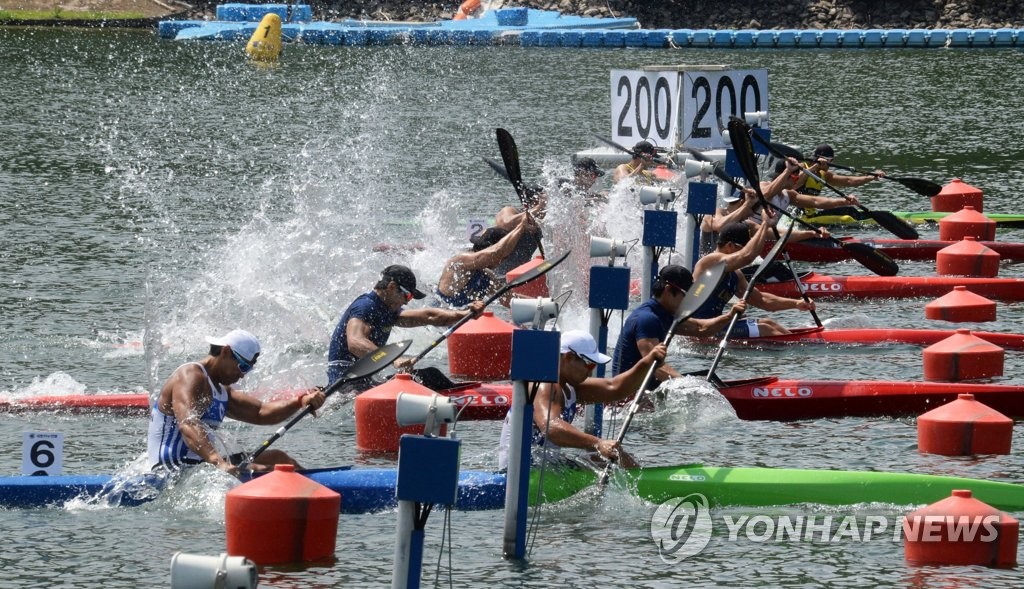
[868, 336]
[486, 401]
[822, 286]
[770, 398]
[826, 250]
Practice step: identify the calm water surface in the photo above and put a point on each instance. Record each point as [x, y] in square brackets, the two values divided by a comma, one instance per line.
[155, 192]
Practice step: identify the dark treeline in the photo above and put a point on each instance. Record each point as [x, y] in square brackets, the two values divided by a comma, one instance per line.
[715, 14]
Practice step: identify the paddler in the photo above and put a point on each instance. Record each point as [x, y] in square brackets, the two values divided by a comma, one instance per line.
[585, 173]
[470, 275]
[508, 218]
[556, 404]
[198, 396]
[366, 323]
[639, 166]
[820, 160]
[648, 324]
[781, 192]
[737, 249]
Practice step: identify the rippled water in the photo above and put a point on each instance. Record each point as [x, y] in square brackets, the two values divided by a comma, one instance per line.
[155, 192]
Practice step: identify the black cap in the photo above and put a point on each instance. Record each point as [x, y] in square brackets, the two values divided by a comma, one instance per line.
[488, 238]
[403, 277]
[644, 148]
[677, 276]
[824, 150]
[587, 164]
[735, 232]
[780, 167]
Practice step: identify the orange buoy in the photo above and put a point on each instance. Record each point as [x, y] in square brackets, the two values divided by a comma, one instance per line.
[466, 9]
[377, 428]
[961, 305]
[282, 517]
[962, 356]
[967, 222]
[967, 258]
[955, 196]
[481, 348]
[534, 289]
[964, 427]
[960, 530]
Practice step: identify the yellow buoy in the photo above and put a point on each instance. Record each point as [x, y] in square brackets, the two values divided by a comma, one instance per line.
[265, 43]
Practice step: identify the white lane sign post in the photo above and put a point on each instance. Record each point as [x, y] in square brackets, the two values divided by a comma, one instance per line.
[42, 453]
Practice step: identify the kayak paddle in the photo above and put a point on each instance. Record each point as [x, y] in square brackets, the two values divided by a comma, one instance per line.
[872, 259]
[510, 155]
[918, 185]
[700, 291]
[739, 133]
[368, 365]
[658, 160]
[772, 254]
[884, 218]
[536, 272]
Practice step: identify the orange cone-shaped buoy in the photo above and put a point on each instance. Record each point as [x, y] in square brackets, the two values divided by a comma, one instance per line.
[534, 289]
[962, 356]
[964, 427]
[967, 258]
[481, 348]
[377, 428]
[282, 517]
[967, 222]
[961, 305]
[957, 195]
[960, 530]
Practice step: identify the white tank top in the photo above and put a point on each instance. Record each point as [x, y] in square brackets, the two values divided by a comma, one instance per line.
[166, 444]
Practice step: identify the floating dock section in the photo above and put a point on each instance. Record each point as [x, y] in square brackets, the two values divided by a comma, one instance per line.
[548, 28]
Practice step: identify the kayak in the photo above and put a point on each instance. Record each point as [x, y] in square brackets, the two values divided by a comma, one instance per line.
[367, 490]
[1003, 220]
[867, 336]
[826, 250]
[483, 401]
[823, 286]
[772, 398]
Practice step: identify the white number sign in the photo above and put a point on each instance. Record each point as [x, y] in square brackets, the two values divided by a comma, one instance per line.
[42, 453]
[688, 105]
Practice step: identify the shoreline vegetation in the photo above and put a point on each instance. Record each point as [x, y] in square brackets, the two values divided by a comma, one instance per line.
[673, 14]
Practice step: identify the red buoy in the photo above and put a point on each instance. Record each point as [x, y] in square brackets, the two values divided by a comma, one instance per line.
[961, 305]
[960, 530]
[962, 356]
[377, 428]
[964, 427]
[534, 289]
[967, 222]
[481, 348]
[967, 258]
[282, 517]
[955, 196]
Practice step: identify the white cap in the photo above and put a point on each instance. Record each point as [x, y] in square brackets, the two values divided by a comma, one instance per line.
[241, 341]
[582, 343]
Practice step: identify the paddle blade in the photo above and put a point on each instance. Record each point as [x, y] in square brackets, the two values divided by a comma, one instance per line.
[701, 290]
[919, 185]
[371, 364]
[781, 150]
[510, 156]
[498, 168]
[872, 259]
[894, 224]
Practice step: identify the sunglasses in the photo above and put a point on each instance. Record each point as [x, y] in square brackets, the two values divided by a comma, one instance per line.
[405, 293]
[244, 366]
[675, 286]
[589, 363]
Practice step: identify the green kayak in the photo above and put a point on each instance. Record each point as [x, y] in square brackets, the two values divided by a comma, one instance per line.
[1003, 220]
[726, 486]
